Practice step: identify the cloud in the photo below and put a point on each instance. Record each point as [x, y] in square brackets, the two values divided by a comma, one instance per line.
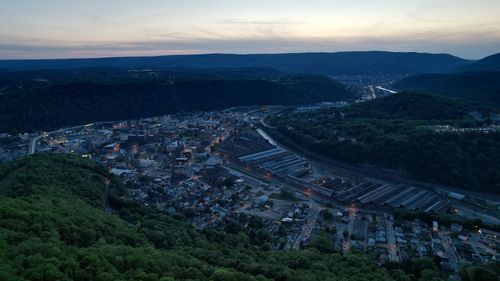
[261, 22]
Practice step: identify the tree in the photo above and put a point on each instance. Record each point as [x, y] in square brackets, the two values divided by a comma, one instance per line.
[40, 236]
[326, 214]
[225, 275]
[323, 243]
[478, 273]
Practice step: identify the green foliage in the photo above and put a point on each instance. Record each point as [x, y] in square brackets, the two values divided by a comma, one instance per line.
[323, 243]
[57, 229]
[88, 97]
[411, 106]
[287, 193]
[481, 273]
[395, 133]
[481, 88]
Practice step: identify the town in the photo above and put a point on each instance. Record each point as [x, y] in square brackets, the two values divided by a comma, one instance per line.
[220, 168]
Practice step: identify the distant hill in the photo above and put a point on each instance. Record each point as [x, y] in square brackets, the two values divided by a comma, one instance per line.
[411, 106]
[374, 62]
[491, 63]
[481, 88]
[30, 106]
[13, 81]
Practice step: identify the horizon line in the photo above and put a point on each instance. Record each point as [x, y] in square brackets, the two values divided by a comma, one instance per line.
[237, 54]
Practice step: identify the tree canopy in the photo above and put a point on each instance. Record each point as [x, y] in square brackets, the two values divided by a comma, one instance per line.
[28, 104]
[402, 132]
[53, 227]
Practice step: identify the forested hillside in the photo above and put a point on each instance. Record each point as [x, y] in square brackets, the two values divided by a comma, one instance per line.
[30, 103]
[409, 106]
[319, 63]
[430, 138]
[489, 63]
[478, 88]
[53, 227]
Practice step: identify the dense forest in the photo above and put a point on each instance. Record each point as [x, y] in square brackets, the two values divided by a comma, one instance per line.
[411, 106]
[42, 101]
[53, 227]
[489, 63]
[478, 88]
[404, 132]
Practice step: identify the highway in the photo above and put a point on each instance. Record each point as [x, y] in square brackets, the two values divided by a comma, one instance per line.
[385, 90]
[307, 229]
[34, 141]
[263, 123]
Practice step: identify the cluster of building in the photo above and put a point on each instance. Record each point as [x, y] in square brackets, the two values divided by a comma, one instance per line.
[364, 84]
[215, 166]
[13, 146]
[395, 240]
[166, 161]
[362, 209]
[493, 128]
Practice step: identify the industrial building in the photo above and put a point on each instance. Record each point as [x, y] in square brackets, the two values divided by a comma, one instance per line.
[389, 195]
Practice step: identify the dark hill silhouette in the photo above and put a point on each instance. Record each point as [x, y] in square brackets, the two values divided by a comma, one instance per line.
[412, 106]
[373, 62]
[490, 63]
[49, 105]
[481, 88]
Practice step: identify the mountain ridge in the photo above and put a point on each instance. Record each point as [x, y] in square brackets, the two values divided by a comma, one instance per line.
[489, 63]
[330, 63]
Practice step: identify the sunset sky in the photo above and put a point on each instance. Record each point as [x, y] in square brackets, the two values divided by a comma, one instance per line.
[97, 28]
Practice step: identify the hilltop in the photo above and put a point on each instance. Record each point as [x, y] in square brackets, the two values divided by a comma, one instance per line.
[490, 63]
[374, 62]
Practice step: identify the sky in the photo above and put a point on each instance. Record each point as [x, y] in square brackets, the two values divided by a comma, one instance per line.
[101, 28]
